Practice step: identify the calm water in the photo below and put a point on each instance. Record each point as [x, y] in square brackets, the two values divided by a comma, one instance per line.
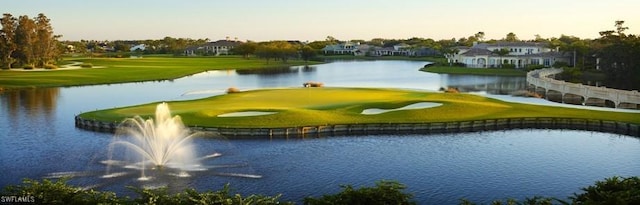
[38, 137]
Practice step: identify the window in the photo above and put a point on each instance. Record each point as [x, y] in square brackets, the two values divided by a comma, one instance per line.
[547, 62]
[535, 61]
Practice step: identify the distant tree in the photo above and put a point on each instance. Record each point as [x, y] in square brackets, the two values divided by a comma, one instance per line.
[539, 38]
[332, 40]
[479, 35]
[307, 53]
[619, 57]
[26, 38]
[511, 37]
[376, 42]
[121, 46]
[318, 44]
[391, 42]
[7, 40]
[278, 50]
[450, 52]
[46, 44]
[246, 49]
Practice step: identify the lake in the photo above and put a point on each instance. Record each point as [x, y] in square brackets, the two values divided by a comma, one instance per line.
[38, 138]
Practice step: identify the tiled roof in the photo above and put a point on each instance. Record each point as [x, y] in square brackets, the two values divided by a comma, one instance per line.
[224, 43]
[477, 52]
[517, 44]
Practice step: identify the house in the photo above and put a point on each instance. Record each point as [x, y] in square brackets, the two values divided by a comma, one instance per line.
[221, 47]
[357, 49]
[520, 55]
[424, 51]
[348, 48]
[139, 47]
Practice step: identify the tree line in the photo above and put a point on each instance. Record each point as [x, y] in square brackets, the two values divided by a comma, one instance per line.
[28, 41]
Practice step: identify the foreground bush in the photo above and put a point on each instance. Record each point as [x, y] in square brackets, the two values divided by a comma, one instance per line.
[385, 192]
[615, 190]
[59, 192]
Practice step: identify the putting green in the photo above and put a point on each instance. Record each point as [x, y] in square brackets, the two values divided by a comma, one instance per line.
[325, 106]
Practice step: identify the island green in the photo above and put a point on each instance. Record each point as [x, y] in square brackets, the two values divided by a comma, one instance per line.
[327, 106]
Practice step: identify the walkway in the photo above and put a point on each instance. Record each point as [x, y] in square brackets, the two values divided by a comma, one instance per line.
[619, 98]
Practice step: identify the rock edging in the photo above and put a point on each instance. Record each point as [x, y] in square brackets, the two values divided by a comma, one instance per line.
[606, 126]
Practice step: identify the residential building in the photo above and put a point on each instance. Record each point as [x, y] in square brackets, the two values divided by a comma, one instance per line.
[139, 47]
[348, 48]
[357, 49]
[221, 47]
[520, 55]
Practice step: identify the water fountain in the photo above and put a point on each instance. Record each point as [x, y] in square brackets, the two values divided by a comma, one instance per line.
[159, 150]
[157, 144]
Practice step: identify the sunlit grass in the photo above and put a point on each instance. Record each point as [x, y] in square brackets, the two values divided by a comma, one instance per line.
[324, 106]
[120, 70]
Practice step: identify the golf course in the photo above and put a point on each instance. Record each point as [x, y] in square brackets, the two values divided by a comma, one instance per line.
[292, 107]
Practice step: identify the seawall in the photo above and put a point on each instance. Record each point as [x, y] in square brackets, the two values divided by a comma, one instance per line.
[606, 126]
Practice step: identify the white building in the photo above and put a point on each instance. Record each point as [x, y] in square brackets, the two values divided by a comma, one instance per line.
[521, 54]
[221, 47]
[139, 47]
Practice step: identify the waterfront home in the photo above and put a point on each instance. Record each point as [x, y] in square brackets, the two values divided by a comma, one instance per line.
[221, 47]
[357, 49]
[520, 55]
[347, 48]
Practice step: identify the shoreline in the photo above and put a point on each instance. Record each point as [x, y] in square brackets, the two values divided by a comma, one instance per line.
[605, 126]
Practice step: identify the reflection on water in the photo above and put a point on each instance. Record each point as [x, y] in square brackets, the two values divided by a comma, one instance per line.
[276, 71]
[490, 84]
[34, 102]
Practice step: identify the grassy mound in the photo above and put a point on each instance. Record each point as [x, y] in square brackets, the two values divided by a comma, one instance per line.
[322, 106]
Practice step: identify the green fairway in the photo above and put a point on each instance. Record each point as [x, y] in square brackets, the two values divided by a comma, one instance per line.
[474, 71]
[121, 70]
[325, 106]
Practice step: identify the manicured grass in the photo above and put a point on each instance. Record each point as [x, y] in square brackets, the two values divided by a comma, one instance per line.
[474, 71]
[322, 106]
[120, 70]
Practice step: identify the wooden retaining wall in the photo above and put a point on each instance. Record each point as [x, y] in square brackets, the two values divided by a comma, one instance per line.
[404, 128]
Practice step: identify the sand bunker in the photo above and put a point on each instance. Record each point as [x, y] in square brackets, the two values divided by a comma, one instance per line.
[246, 114]
[415, 106]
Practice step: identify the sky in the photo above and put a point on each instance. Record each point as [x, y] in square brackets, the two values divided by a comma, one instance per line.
[264, 20]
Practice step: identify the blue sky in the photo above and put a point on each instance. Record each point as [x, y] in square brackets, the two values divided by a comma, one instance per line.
[261, 20]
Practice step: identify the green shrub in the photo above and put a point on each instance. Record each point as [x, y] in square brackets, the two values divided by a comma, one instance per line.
[385, 192]
[614, 190]
[28, 67]
[50, 67]
[459, 65]
[86, 65]
[534, 67]
[560, 64]
[58, 192]
[508, 66]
